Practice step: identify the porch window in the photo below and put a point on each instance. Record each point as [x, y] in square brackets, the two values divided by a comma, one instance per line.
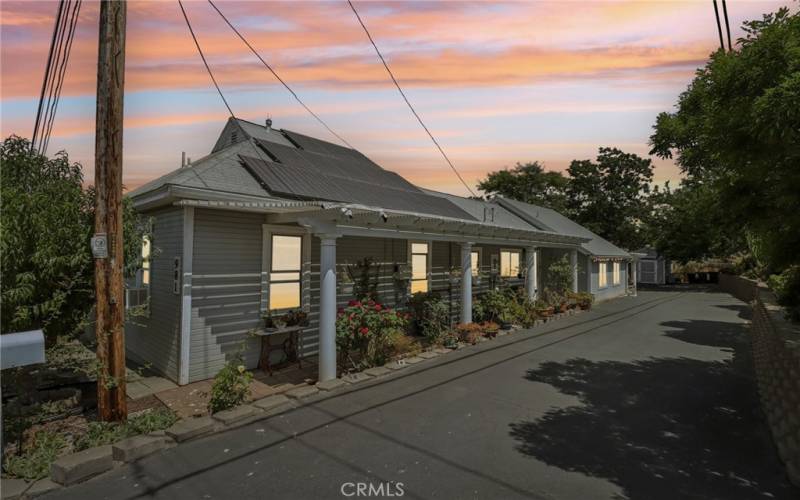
[509, 263]
[146, 261]
[475, 263]
[602, 278]
[419, 267]
[285, 272]
[615, 273]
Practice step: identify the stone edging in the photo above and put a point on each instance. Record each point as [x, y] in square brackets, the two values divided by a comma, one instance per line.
[87, 464]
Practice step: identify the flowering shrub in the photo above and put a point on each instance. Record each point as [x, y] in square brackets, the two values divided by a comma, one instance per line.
[231, 386]
[364, 328]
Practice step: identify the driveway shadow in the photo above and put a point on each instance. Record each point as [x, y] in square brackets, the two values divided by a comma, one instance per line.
[660, 428]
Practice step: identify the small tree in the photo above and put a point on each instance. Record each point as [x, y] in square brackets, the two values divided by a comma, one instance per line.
[46, 221]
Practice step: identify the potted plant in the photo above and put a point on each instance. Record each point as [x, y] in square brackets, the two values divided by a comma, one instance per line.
[490, 329]
[505, 318]
[296, 317]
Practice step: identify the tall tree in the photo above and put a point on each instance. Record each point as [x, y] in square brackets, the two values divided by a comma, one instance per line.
[610, 196]
[46, 220]
[736, 132]
[529, 182]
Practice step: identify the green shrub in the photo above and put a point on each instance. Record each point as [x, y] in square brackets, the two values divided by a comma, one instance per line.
[495, 304]
[35, 462]
[786, 287]
[559, 276]
[435, 321]
[231, 386]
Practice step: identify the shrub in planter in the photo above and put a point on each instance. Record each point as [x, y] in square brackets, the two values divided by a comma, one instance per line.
[357, 327]
[231, 386]
[490, 329]
[450, 339]
[469, 332]
[495, 303]
[583, 300]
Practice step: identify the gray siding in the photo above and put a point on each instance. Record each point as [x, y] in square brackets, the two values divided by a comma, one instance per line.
[156, 339]
[610, 291]
[226, 289]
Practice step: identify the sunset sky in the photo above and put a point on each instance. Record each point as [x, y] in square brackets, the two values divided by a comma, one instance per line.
[497, 83]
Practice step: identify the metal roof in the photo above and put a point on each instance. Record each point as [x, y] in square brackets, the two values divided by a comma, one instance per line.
[303, 181]
[553, 221]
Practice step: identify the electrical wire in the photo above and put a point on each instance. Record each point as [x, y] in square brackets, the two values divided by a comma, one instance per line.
[275, 74]
[203, 57]
[62, 71]
[413, 111]
[45, 78]
[727, 26]
[719, 26]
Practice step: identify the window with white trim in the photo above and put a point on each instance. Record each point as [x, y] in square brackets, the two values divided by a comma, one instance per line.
[602, 276]
[509, 263]
[475, 263]
[615, 273]
[420, 258]
[285, 271]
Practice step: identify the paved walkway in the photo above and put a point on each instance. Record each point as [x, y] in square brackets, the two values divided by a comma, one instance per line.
[642, 398]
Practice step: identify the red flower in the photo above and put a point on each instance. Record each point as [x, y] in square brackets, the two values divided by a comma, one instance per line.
[364, 330]
[340, 310]
[353, 303]
[352, 315]
[378, 307]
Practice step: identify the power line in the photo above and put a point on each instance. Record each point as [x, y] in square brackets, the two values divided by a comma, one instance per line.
[203, 57]
[385, 65]
[719, 26]
[727, 26]
[46, 74]
[275, 74]
[62, 71]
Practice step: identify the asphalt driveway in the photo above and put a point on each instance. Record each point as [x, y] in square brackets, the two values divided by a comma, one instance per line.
[647, 397]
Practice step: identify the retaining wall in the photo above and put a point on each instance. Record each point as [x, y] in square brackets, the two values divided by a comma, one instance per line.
[776, 357]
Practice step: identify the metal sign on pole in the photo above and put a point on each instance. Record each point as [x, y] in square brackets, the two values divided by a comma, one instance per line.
[107, 247]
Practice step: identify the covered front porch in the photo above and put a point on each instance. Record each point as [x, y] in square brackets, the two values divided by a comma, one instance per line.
[401, 253]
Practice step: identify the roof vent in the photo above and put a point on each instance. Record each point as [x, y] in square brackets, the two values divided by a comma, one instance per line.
[269, 123]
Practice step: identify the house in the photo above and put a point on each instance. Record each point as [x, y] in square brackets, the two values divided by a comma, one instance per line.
[653, 267]
[272, 219]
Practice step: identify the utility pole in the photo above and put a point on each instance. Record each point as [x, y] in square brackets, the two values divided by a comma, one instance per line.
[107, 242]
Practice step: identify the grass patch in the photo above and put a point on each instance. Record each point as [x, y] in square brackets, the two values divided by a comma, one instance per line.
[100, 433]
[35, 462]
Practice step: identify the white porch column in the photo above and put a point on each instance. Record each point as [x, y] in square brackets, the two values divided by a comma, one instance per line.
[634, 265]
[589, 273]
[327, 308]
[466, 282]
[574, 264]
[530, 272]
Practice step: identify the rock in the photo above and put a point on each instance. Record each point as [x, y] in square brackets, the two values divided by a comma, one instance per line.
[395, 365]
[13, 488]
[302, 391]
[276, 402]
[190, 428]
[413, 360]
[330, 385]
[428, 354]
[356, 378]
[77, 467]
[41, 487]
[136, 447]
[234, 415]
[377, 371]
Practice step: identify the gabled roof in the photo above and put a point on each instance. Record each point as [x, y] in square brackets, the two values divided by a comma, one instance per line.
[550, 220]
[486, 211]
